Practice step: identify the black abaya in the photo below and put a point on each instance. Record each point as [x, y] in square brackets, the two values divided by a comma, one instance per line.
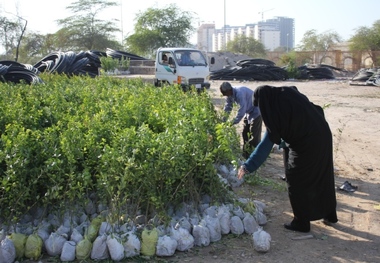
[289, 115]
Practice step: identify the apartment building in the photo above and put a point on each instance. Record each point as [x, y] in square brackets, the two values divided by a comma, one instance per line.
[272, 33]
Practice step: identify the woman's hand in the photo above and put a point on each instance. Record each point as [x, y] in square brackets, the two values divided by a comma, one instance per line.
[242, 171]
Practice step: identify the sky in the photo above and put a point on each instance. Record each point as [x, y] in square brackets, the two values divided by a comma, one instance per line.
[340, 16]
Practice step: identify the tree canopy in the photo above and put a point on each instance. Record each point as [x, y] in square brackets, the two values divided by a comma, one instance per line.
[154, 28]
[84, 30]
[247, 46]
[324, 42]
[312, 41]
[11, 34]
[367, 40]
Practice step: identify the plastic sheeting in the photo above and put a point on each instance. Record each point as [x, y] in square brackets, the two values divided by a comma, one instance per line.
[69, 63]
[251, 69]
[266, 70]
[366, 77]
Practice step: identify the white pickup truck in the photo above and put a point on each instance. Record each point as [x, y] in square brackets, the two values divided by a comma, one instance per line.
[183, 66]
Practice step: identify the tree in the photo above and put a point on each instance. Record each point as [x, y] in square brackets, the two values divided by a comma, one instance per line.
[154, 28]
[247, 46]
[12, 33]
[367, 40]
[8, 31]
[36, 46]
[312, 41]
[84, 30]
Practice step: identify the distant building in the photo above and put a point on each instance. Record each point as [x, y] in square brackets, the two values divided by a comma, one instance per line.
[269, 38]
[286, 27]
[205, 34]
[272, 33]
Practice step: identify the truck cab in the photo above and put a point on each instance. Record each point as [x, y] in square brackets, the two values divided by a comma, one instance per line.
[182, 66]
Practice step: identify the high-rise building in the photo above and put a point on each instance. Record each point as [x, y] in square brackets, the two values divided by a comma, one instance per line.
[286, 27]
[205, 33]
[272, 33]
[224, 35]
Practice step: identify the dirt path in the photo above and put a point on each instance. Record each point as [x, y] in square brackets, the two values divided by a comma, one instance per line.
[353, 114]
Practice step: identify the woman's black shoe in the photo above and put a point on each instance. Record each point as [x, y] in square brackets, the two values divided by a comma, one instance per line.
[330, 219]
[329, 222]
[298, 226]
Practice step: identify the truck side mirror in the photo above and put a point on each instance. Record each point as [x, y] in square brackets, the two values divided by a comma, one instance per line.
[171, 62]
[212, 62]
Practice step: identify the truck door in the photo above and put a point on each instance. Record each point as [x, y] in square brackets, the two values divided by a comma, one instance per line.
[165, 70]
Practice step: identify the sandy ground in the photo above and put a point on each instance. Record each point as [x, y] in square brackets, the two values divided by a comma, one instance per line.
[353, 115]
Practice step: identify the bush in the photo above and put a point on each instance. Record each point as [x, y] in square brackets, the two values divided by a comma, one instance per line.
[289, 59]
[132, 144]
[109, 64]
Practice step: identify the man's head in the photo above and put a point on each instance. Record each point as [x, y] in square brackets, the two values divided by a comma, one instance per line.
[226, 89]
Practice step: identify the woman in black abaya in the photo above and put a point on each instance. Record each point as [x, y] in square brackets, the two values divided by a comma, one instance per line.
[290, 117]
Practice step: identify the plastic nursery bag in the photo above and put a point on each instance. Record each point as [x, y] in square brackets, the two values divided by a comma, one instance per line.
[68, 251]
[115, 248]
[132, 246]
[213, 225]
[83, 249]
[33, 247]
[250, 224]
[54, 244]
[7, 251]
[149, 240]
[166, 246]
[201, 234]
[237, 226]
[99, 248]
[261, 240]
[185, 240]
[19, 241]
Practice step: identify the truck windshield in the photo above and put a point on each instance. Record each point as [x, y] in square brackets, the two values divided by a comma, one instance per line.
[190, 58]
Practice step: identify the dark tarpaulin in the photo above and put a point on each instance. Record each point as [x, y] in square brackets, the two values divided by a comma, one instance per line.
[266, 70]
[251, 69]
[12, 71]
[83, 63]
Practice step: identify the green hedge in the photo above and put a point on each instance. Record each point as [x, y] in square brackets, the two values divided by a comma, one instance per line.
[127, 141]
